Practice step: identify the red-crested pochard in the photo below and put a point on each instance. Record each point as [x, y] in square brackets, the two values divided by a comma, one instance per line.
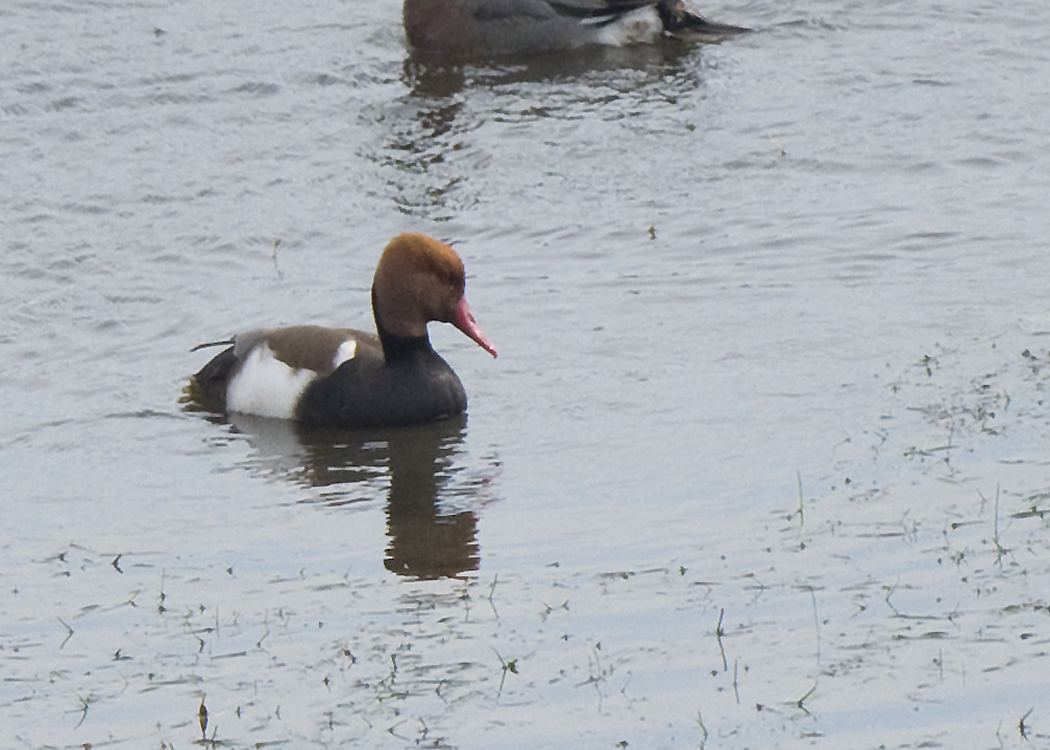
[339, 377]
[485, 28]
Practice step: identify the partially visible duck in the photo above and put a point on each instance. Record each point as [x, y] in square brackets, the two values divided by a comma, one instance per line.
[485, 28]
[339, 377]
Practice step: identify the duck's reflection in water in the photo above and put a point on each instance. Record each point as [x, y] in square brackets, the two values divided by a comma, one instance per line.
[439, 138]
[428, 536]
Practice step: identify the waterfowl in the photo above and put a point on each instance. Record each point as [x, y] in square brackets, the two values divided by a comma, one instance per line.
[340, 377]
[482, 28]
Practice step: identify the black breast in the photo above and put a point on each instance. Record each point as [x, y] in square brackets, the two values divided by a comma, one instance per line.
[412, 384]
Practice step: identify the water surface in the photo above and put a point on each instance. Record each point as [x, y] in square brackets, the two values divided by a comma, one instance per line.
[761, 463]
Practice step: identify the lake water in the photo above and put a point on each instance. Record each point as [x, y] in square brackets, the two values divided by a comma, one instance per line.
[762, 463]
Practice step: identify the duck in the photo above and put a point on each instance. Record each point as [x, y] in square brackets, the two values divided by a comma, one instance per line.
[487, 28]
[345, 378]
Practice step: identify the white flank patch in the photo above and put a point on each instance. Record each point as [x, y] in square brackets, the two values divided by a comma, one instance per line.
[346, 351]
[642, 25]
[266, 386]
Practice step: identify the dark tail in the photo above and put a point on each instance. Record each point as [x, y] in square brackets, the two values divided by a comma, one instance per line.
[208, 387]
[198, 347]
[681, 22]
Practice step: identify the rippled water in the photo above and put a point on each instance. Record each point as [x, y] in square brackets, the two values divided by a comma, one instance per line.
[762, 462]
